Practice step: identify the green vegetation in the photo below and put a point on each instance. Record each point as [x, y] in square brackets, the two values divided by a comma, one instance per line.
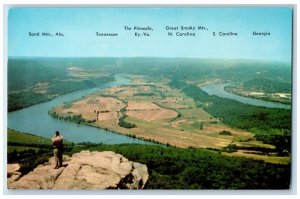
[35, 80]
[29, 158]
[172, 168]
[283, 98]
[75, 118]
[175, 168]
[25, 73]
[224, 132]
[29, 150]
[144, 94]
[199, 70]
[198, 125]
[70, 118]
[230, 148]
[268, 85]
[272, 126]
[269, 89]
[17, 137]
[124, 124]
[22, 100]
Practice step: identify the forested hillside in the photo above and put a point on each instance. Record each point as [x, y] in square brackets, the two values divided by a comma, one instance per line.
[35, 80]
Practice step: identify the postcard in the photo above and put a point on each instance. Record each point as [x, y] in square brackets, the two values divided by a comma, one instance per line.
[149, 97]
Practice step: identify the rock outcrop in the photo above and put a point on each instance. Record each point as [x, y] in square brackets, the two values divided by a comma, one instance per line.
[84, 170]
[13, 173]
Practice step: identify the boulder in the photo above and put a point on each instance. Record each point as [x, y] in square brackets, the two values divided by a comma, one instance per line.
[85, 170]
[13, 173]
[12, 168]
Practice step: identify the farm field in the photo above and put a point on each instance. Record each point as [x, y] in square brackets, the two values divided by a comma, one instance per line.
[162, 114]
[192, 134]
[253, 155]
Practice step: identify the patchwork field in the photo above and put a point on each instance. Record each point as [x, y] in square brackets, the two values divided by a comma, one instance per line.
[154, 111]
[255, 155]
[93, 108]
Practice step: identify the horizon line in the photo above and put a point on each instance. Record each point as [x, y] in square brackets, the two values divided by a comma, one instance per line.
[260, 59]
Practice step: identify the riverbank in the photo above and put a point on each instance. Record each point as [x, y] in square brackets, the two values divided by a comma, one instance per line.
[274, 97]
[190, 127]
[37, 121]
[219, 90]
[167, 116]
[45, 91]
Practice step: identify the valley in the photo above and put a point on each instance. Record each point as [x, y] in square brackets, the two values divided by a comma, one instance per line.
[150, 109]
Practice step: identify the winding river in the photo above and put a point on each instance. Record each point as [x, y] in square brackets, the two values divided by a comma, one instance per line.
[35, 120]
[218, 90]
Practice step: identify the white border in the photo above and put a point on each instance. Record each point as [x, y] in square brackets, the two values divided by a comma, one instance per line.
[120, 3]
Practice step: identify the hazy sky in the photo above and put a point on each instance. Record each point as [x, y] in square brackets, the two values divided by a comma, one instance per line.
[79, 26]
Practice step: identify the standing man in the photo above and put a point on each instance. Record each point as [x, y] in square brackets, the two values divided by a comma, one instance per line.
[57, 141]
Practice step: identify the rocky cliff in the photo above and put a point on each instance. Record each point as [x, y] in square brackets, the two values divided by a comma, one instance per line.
[84, 170]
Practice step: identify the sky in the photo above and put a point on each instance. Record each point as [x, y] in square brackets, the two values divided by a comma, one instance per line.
[79, 27]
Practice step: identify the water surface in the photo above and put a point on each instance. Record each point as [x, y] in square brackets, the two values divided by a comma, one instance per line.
[35, 120]
[218, 90]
